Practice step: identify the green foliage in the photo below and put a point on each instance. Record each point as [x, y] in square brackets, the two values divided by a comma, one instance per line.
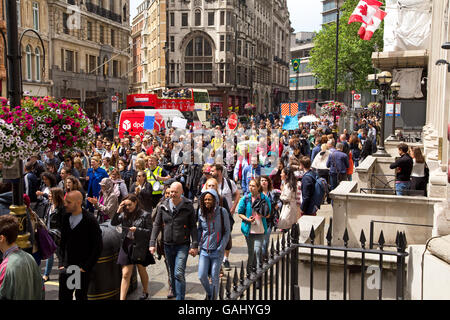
[354, 57]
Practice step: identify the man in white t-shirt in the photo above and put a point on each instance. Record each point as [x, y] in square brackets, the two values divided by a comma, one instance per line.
[229, 191]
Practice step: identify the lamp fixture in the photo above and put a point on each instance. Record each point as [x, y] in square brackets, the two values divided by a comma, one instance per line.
[395, 86]
[442, 61]
[384, 77]
[446, 45]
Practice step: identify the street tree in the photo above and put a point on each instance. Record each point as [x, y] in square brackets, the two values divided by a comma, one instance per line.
[354, 54]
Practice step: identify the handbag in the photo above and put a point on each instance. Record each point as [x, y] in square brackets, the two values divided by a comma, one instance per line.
[287, 216]
[46, 244]
[140, 254]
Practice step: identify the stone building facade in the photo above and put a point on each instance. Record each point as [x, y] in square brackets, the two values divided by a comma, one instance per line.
[238, 50]
[90, 52]
[34, 14]
[137, 61]
[3, 79]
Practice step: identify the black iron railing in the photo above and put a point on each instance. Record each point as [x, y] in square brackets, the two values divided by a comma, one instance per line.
[372, 225]
[93, 8]
[277, 278]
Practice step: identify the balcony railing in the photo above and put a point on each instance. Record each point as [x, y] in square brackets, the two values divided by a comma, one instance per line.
[93, 8]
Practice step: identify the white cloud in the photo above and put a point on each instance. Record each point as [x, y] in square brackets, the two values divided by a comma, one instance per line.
[305, 15]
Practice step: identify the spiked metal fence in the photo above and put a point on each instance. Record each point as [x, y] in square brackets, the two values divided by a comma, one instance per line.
[277, 277]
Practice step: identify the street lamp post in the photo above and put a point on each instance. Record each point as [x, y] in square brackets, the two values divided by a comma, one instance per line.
[337, 53]
[383, 80]
[395, 88]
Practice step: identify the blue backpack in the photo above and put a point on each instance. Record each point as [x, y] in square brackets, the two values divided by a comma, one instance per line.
[321, 191]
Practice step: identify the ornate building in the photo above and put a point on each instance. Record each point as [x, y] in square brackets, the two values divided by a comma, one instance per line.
[137, 59]
[3, 79]
[90, 52]
[33, 14]
[237, 49]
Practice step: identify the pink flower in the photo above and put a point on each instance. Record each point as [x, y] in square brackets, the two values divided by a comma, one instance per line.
[48, 120]
[60, 116]
[10, 120]
[41, 107]
[76, 124]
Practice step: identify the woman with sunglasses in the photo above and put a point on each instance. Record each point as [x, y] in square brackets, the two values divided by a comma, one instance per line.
[143, 190]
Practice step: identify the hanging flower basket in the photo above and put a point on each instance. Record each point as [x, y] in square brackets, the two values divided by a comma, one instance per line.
[20, 134]
[374, 107]
[67, 126]
[334, 109]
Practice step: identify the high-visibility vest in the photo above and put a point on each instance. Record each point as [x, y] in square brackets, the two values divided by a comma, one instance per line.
[151, 178]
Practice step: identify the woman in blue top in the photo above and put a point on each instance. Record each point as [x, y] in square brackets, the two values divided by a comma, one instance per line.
[213, 234]
[253, 209]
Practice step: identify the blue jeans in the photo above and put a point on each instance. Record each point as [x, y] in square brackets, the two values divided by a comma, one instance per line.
[49, 265]
[266, 242]
[254, 246]
[333, 181]
[211, 260]
[401, 187]
[177, 257]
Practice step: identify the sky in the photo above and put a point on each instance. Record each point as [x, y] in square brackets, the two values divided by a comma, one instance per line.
[304, 14]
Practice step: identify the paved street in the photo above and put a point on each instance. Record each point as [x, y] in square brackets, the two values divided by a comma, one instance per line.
[158, 275]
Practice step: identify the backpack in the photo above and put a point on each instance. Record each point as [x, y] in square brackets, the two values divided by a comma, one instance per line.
[321, 191]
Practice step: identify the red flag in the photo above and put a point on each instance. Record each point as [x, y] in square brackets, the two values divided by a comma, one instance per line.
[364, 11]
[367, 30]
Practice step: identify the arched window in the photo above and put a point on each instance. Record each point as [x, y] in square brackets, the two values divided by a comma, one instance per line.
[28, 63]
[37, 55]
[198, 70]
[198, 18]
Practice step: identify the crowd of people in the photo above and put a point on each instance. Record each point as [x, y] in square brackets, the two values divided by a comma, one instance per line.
[167, 205]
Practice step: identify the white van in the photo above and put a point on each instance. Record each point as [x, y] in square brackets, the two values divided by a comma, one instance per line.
[132, 120]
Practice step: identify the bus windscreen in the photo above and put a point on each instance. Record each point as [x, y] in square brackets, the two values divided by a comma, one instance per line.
[201, 97]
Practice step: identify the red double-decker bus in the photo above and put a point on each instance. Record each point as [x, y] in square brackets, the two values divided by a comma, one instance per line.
[193, 103]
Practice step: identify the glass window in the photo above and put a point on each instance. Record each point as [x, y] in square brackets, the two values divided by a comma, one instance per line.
[102, 31]
[190, 49]
[172, 43]
[198, 47]
[36, 16]
[69, 61]
[89, 30]
[201, 97]
[198, 18]
[222, 18]
[28, 57]
[184, 20]
[37, 55]
[211, 18]
[18, 12]
[222, 43]
[201, 71]
[172, 19]
[113, 42]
